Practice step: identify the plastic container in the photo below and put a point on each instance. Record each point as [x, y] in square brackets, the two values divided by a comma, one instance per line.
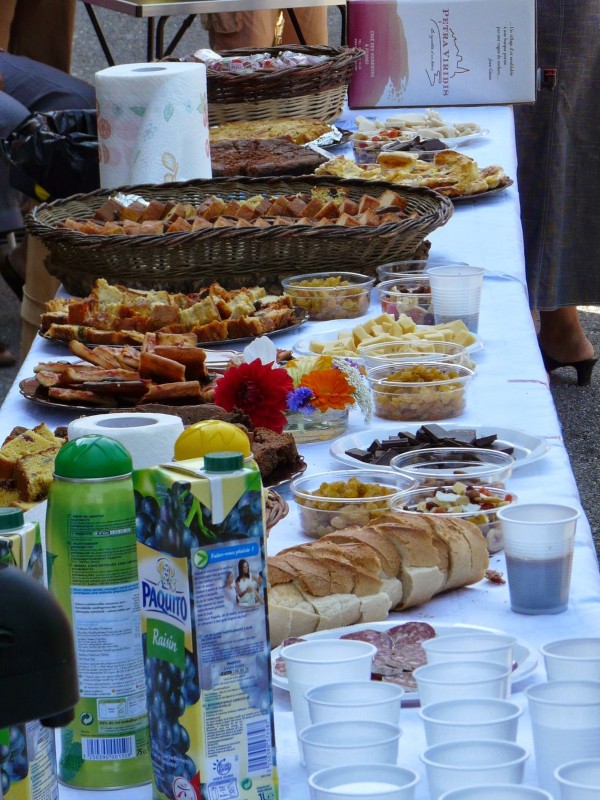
[419, 391]
[462, 680]
[572, 659]
[443, 466]
[383, 354]
[407, 294]
[344, 700]
[91, 544]
[486, 519]
[479, 718]
[330, 295]
[330, 501]
[393, 268]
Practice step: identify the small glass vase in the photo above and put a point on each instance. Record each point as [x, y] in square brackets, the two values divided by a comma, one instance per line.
[318, 426]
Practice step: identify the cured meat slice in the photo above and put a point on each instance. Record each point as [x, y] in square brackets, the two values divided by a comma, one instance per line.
[411, 633]
[381, 639]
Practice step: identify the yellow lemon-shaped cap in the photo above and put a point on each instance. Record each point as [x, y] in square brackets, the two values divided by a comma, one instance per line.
[211, 436]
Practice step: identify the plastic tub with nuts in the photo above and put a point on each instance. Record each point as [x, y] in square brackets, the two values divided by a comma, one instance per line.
[408, 294]
[420, 391]
[330, 295]
[330, 501]
[476, 504]
[440, 466]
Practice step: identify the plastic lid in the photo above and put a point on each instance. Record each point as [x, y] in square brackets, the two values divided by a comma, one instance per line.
[11, 518]
[223, 462]
[92, 456]
[211, 436]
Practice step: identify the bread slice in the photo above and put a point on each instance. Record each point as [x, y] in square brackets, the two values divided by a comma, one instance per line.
[413, 539]
[379, 544]
[419, 584]
[336, 610]
[459, 552]
[374, 607]
[359, 558]
[393, 588]
[320, 575]
[480, 559]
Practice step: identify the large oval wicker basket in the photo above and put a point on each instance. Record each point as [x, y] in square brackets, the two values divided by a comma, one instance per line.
[317, 91]
[233, 256]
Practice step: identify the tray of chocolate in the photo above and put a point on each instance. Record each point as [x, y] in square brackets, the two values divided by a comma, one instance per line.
[117, 315]
[376, 448]
[240, 231]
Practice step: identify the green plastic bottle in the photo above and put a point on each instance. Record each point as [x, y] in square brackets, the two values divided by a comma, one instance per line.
[92, 571]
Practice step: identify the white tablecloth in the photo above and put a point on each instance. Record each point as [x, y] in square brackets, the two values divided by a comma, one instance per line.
[510, 390]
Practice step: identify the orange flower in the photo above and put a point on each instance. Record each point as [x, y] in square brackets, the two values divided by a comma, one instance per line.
[330, 389]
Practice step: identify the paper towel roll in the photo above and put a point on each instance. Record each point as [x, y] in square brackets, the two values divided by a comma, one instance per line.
[152, 123]
[150, 438]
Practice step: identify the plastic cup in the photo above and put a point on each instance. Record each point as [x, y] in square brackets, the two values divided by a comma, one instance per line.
[565, 720]
[335, 744]
[321, 661]
[366, 700]
[453, 765]
[579, 780]
[481, 718]
[456, 293]
[459, 680]
[502, 791]
[572, 659]
[366, 781]
[538, 544]
[493, 647]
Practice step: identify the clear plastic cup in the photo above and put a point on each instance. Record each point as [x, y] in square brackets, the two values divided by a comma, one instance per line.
[366, 700]
[475, 718]
[452, 765]
[572, 659]
[383, 354]
[493, 647]
[456, 293]
[565, 720]
[579, 780]
[459, 680]
[365, 781]
[407, 294]
[323, 661]
[538, 542]
[335, 744]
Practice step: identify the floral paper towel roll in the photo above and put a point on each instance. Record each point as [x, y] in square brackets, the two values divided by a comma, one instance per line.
[152, 123]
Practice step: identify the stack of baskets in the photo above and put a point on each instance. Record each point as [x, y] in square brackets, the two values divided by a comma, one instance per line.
[317, 91]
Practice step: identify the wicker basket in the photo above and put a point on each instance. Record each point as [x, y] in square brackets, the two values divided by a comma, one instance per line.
[276, 508]
[317, 92]
[233, 256]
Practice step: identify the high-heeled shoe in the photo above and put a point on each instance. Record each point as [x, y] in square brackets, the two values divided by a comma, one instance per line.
[584, 368]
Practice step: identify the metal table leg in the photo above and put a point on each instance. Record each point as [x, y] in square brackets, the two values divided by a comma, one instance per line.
[100, 34]
[160, 50]
[296, 24]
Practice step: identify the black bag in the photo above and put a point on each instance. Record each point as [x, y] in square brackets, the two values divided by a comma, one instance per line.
[54, 154]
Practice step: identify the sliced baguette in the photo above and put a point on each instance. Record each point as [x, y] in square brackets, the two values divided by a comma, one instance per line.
[419, 584]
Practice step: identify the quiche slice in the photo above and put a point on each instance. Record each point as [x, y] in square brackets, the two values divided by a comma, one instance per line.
[299, 130]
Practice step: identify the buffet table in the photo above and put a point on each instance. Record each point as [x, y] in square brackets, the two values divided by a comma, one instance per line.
[510, 390]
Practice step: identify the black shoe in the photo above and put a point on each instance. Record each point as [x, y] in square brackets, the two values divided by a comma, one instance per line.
[14, 281]
[583, 368]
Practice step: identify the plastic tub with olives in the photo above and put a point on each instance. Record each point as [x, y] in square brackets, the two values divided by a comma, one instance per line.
[330, 501]
[477, 504]
[419, 390]
[330, 295]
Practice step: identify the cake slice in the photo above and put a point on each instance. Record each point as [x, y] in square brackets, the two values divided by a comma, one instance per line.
[33, 474]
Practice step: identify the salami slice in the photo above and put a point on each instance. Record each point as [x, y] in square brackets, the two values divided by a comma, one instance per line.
[410, 656]
[381, 639]
[411, 633]
[404, 679]
[279, 665]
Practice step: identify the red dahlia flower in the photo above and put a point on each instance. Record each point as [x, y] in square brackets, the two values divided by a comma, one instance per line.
[258, 390]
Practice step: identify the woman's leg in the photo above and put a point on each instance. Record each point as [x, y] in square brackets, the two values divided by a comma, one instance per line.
[562, 336]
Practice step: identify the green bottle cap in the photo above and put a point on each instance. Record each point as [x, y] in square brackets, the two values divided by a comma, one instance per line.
[223, 462]
[11, 518]
[91, 457]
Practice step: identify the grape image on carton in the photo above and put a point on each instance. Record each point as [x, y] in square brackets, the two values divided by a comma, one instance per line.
[436, 53]
[202, 574]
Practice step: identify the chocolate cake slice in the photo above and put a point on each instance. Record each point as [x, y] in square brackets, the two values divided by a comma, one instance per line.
[258, 158]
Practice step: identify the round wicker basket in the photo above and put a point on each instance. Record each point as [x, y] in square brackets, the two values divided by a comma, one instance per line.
[235, 257]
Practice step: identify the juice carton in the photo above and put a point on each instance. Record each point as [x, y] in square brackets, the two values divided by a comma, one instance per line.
[201, 559]
[27, 751]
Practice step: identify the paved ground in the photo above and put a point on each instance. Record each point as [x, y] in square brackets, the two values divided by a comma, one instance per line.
[577, 407]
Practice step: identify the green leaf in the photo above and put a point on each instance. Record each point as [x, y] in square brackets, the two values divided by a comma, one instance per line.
[139, 110]
[168, 112]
